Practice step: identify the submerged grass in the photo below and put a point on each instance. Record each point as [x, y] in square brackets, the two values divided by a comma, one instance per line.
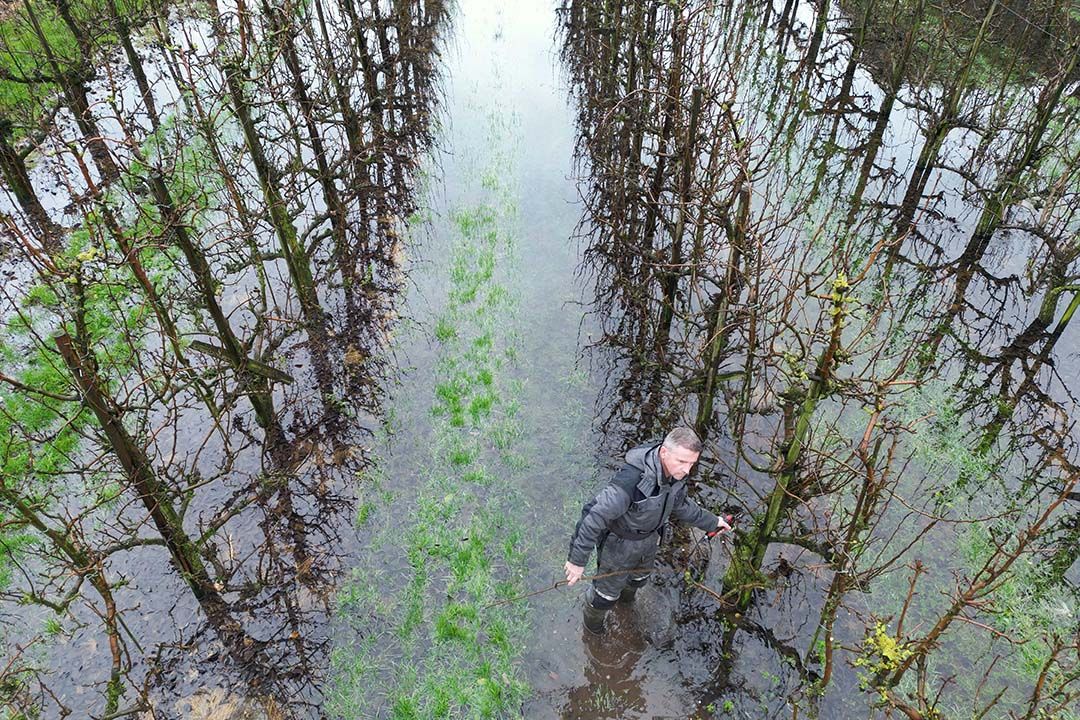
[429, 645]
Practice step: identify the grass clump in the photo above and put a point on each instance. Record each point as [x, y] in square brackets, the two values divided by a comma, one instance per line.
[480, 407]
[445, 331]
[454, 623]
[450, 401]
[459, 457]
[477, 476]
[363, 513]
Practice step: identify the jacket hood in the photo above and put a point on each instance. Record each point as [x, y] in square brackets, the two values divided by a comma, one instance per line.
[647, 459]
[638, 457]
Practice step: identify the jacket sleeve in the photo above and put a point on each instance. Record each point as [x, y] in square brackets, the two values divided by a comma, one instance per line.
[611, 502]
[689, 512]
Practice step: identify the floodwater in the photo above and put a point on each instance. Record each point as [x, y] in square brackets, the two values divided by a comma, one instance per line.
[437, 444]
[674, 654]
[503, 64]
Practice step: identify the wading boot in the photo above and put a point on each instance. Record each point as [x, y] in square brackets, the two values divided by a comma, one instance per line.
[596, 607]
[629, 591]
[594, 619]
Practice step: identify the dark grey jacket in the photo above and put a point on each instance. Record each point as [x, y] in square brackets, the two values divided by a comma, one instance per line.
[635, 505]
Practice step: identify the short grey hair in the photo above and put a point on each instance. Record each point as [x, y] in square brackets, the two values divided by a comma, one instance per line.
[683, 437]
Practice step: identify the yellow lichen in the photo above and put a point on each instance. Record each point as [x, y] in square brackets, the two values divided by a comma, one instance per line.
[882, 652]
[88, 255]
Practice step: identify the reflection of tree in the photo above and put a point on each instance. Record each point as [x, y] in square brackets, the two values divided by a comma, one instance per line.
[667, 196]
[835, 319]
[17, 180]
[278, 167]
[64, 542]
[1019, 162]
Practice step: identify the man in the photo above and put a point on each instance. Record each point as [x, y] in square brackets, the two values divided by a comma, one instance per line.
[624, 520]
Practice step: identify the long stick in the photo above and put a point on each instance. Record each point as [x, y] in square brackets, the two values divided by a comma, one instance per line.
[722, 599]
[560, 583]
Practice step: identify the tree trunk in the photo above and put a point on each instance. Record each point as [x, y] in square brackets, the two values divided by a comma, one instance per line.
[82, 38]
[74, 89]
[884, 114]
[120, 26]
[255, 387]
[819, 34]
[281, 27]
[295, 256]
[161, 310]
[154, 496]
[670, 283]
[840, 104]
[748, 554]
[157, 500]
[718, 316]
[341, 90]
[935, 137]
[656, 187]
[17, 180]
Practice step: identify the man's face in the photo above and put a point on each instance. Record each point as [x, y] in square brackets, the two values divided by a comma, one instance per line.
[677, 462]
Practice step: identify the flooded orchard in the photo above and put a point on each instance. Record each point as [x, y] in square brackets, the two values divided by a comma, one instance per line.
[323, 320]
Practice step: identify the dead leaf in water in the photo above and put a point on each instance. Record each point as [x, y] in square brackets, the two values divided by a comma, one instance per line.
[353, 356]
[343, 453]
[217, 704]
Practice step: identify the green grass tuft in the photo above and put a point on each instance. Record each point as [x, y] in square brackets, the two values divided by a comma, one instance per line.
[454, 623]
[461, 456]
[445, 330]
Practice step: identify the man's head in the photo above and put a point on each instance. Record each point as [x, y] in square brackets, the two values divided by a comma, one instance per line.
[679, 452]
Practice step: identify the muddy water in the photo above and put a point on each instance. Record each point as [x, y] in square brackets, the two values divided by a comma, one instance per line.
[507, 143]
[758, 670]
[276, 557]
[570, 674]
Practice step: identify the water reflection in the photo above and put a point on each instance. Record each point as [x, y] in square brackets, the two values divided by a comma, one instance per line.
[302, 496]
[610, 689]
[259, 165]
[796, 221]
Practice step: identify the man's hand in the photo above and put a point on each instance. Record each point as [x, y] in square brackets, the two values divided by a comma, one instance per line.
[573, 572]
[723, 525]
